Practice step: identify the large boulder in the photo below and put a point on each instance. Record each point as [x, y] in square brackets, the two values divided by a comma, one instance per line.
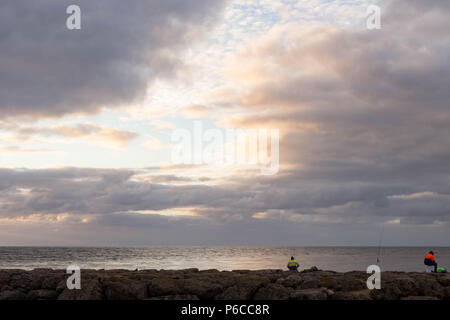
[176, 297]
[244, 289]
[51, 281]
[202, 289]
[42, 294]
[310, 294]
[447, 293]
[12, 295]
[419, 298]
[351, 295]
[21, 280]
[291, 281]
[4, 278]
[164, 286]
[312, 269]
[429, 286]
[309, 283]
[124, 289]
[329, 282]
[444, 280]
[91, 289]
[352, 281]
[396, 285]
[273, 291]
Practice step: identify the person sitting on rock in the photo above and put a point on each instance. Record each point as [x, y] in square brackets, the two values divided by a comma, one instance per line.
[430, 261]
[293, 265]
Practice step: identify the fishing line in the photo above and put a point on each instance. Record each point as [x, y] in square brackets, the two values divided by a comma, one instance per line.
[379, 244]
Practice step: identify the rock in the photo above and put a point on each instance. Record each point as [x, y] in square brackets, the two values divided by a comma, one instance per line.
[51, 282]
[42, 294]
[352, 295]
[312, 269]
[310, 294]
[91, 289]
[309, 283]
[444, 280]
[427, 286]
[164, 286]
[386, 293]
[447, 293]
[352, 281]
[4, 278]
[201, 289]
[12, 295]
[291, 281]
[176, 297]
[244, 289]
[419, 298]
[124, 290]
[61, 286]
[273, 292]
[191, 270]
[329, 282]
[21, 280]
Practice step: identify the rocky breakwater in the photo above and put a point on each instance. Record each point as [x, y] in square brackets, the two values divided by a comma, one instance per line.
[192, 284]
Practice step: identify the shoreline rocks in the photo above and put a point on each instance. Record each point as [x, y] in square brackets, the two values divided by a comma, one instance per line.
[193, 284]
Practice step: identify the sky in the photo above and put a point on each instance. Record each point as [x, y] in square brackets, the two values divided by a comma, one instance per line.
[358, 123]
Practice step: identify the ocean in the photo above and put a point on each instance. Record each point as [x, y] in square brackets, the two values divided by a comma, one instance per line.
[222, 258]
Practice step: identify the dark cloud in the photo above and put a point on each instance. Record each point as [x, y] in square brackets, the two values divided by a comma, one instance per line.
[119, 192]
[364, 115]
[97, 191]
[45, 69]
[365, 140]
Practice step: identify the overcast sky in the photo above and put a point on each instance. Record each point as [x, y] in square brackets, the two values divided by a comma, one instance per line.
[86, 119]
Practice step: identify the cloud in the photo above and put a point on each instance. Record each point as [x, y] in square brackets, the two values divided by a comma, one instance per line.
[363, 116]
[17, 149]
[88, 132]
[154, 143]
[108, 200]
[196, 112]
[48, 70]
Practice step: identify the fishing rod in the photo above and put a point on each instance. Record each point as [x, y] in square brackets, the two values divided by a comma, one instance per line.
[379, 244]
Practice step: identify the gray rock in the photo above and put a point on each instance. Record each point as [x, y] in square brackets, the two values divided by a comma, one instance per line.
[309, 283]
[176, 297]
[273, 292]
[291, 281]
[244, 289]
[202, 289]
[312, 269]
[419, 298]
[444, 280]
[310, 294]
[124, 290]
[189, 284]
[42, 294]
[91, 289]
[12, 295]
[352, 295]
[164, 286]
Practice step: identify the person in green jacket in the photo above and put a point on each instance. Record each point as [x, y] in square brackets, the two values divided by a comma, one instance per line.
[293, 264]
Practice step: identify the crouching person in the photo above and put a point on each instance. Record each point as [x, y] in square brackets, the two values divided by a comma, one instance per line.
[293, 265]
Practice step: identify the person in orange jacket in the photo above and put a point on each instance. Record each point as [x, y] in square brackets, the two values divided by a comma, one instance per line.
[430, 261]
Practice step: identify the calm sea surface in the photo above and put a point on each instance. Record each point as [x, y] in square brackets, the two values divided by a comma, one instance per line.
[222, 258]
